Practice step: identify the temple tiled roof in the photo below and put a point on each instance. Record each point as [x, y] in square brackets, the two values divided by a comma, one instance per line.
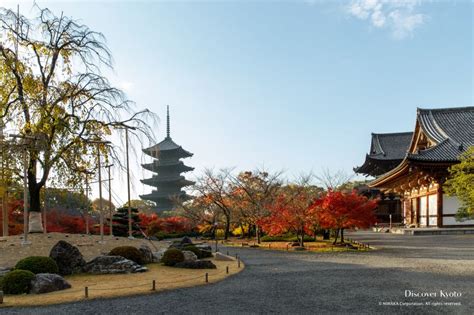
[451, 129]
[390, 146]
[387, 150]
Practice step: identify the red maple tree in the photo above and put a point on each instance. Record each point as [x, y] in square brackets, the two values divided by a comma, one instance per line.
[292, 211]
[338, 210]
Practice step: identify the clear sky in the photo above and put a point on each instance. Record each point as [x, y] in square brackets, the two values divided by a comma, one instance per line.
[293, 85]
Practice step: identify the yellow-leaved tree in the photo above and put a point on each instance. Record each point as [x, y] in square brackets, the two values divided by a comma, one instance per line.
[55, 97]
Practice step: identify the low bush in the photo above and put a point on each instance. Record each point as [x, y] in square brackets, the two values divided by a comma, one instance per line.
[17, 282]
[205, 254]
[200, 253]
[196, 264]
[38, 264]
[172, 256]
[128, 252]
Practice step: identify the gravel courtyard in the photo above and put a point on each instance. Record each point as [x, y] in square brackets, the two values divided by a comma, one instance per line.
[281, 282]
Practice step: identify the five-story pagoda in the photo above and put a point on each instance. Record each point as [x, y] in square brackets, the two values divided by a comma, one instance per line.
[168, 167]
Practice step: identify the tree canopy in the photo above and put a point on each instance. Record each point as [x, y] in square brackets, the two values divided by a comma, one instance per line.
[461, 183]
[54, 94]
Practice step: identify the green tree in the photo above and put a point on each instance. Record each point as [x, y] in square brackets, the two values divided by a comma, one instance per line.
[144, 206]
[53, 90]
[461, 184]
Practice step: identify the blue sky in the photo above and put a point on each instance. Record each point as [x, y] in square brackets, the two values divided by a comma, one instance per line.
[293, 85]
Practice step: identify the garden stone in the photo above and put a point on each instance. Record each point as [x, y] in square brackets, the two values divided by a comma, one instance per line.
[189, 255]
[222, 257]
[147, 254]
[4, 271]
[204, 247]
[157, 255]
[112, 265]
[68, 258]
[48, 282]
[186, 241]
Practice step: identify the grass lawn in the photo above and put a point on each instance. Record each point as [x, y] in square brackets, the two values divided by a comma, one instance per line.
[102, 286]
[314, 246]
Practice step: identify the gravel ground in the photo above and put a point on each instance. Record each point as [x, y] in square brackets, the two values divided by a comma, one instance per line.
[356, 283]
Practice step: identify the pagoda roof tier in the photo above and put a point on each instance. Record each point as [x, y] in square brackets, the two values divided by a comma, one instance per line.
[158, 165]
[161, 197]
[156, 181]
[167, 147]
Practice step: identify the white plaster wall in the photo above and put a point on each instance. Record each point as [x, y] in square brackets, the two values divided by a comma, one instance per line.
[450, 204]
[452, 221]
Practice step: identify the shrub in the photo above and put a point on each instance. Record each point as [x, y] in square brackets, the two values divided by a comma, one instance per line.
[17, 282]
[38, 264]
[196, 264]
[172, 256]
[205, 254]
[128, 252]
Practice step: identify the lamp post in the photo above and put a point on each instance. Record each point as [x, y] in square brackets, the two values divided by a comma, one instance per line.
[126, 127]
[110, 200]
[25, 185]
[87, 173]
[101, 206]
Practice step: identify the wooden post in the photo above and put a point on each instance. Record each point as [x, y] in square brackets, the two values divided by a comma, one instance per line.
[153, 285]
[439, 200]
[1, 297]
[86, 292]
[227, 269]
[101, 209]
[207, 277]
[238, 262]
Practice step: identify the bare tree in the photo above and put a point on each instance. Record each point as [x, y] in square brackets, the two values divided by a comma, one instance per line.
[333, 181]
[252, 192]
[53, 87]
[215, 188]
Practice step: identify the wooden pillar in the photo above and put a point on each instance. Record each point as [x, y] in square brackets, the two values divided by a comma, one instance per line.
[440, 204]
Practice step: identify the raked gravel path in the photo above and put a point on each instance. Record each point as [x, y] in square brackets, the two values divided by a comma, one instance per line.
[309, 283]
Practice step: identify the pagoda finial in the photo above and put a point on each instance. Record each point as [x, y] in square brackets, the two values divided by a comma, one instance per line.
[167, 121]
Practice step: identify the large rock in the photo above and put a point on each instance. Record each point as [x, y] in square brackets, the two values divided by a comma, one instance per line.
[204, 247]
[48, 282]
[112, 265]
[222, 257]
[189, 255]
[4, 271]
[68, 258]
[186, 241]
[147, 254]
[157, 255]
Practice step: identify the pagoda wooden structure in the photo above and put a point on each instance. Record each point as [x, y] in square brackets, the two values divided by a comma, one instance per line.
[168, 180]
[387, 150]
[439, 138]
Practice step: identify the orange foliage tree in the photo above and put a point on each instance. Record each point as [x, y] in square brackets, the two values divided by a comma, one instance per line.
[292, 211]
[338, 210]
[153, 224]
[15, 217]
